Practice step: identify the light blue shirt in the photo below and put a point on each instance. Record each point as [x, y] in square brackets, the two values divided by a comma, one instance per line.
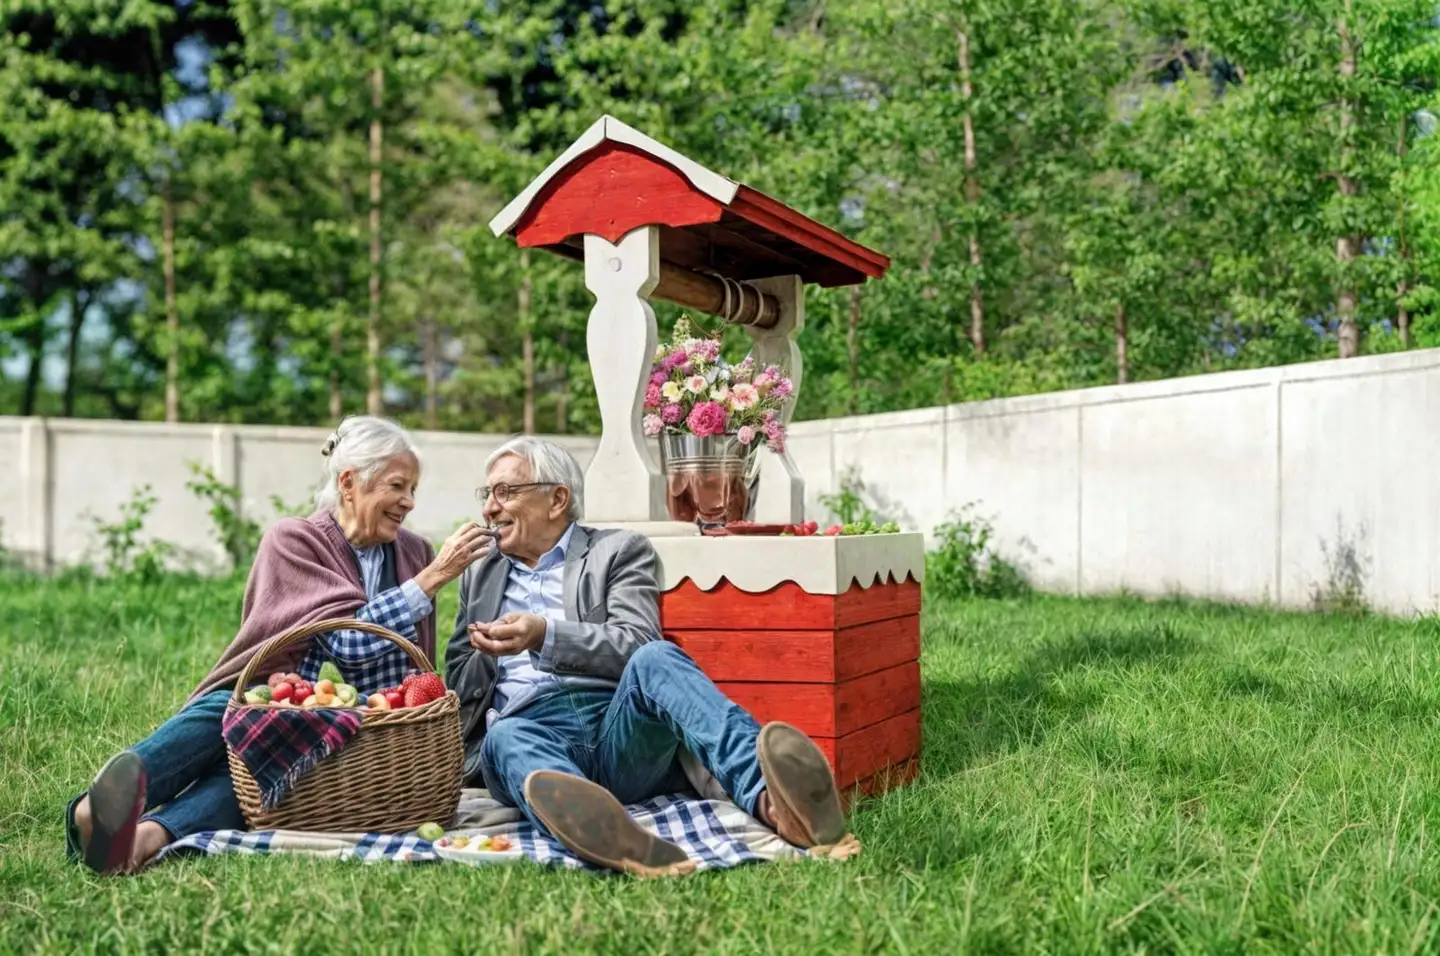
[539, 590]
[372, 565]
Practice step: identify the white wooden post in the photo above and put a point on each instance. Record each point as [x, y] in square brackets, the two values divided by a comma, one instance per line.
[780, 494]
[623, 483]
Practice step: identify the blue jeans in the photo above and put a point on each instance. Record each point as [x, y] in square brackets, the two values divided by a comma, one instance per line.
[187, 775]
[628, 741]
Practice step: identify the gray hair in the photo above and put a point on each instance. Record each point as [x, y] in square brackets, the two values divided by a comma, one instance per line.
[549, 462]
[363, 443]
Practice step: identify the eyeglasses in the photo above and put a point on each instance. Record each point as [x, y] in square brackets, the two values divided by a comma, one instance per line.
[503, 491]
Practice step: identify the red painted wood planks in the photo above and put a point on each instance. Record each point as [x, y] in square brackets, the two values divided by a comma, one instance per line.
[802, 656]
[726, 607]
[832, 710]
[610, 191]
[868, 752]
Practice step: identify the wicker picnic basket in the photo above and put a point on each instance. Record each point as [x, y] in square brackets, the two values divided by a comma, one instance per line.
[402, 769]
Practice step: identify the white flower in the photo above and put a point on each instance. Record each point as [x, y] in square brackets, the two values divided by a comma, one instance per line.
[720, 393]
[696, 384]
[743, 396]
[671, 391]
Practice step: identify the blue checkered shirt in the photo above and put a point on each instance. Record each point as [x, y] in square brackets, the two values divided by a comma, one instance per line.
[369, 662]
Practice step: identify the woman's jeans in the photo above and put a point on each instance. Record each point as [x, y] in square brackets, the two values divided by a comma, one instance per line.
[187, 774]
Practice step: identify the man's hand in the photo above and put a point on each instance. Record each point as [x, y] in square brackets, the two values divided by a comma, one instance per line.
[513, 633]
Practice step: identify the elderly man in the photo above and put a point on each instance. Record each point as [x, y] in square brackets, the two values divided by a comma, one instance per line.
[572, 704]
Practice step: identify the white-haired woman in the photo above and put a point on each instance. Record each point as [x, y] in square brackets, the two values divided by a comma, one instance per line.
[351, 558]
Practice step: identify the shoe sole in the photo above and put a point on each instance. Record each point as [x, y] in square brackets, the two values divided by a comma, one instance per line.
[798, 776]
[592, 824]
[117, 798]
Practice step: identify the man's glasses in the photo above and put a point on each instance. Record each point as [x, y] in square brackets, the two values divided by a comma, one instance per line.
[503, 491]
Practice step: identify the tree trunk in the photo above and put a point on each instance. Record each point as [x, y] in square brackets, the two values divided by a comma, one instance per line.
[432, 372]
[852, 346]
[79, 304]
[972, 193]
[1122, 345]
[1402, 287]
[1347, 246]
[562, 396]
[373, 402]
[35, 340]
[172, 312]
[336, 346]
[527, 345]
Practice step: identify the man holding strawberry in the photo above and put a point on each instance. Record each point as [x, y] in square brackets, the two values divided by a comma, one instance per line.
[572, 704]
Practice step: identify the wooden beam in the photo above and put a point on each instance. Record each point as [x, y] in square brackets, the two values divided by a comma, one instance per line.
[711, 295]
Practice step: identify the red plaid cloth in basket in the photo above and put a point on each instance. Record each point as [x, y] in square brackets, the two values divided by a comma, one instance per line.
[280, 745]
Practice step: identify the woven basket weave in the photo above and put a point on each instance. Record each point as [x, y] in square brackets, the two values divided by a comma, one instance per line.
[400, 770]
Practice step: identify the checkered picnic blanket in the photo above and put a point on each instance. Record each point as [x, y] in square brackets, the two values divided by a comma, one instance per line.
[715, 833]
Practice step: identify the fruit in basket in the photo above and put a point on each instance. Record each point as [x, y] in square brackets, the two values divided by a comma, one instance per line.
[282, 692]
[328, 671]
[378, 702]
[430, 832]
[302, 690]
[427, 687]
[323, 686]
[347, 693]
[395, 697]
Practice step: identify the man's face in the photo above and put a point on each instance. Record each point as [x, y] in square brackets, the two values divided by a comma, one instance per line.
[530, 518]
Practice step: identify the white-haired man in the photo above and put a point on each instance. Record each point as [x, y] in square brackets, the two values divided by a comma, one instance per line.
[573, 704]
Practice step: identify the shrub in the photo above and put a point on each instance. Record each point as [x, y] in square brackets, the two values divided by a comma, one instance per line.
[964, 565]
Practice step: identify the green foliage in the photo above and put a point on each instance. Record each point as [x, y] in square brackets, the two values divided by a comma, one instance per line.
[237, 534]
[848, 504]
[964, 564]
[125, 554]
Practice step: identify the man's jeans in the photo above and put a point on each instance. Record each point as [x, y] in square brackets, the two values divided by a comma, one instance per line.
[627, 741]
[187, 775]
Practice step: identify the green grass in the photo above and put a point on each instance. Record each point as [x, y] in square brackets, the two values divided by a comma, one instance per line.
[1098, 776]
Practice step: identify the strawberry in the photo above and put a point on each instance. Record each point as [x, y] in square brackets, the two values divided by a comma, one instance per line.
[409, 680]
[424, 689]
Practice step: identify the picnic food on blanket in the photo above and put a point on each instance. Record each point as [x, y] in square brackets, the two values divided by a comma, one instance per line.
[343, 765]
[430, 831]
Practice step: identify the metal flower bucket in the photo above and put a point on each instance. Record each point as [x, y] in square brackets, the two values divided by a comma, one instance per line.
[711, 479]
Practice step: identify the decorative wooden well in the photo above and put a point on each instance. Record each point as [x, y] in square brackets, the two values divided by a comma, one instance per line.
[822, 632]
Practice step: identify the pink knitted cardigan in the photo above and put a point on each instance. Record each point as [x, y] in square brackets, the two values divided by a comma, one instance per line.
[305, 571]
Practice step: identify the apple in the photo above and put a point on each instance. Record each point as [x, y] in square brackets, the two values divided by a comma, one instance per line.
[324, 687]
[275, 679]
[302, 690]
[395, 698]
[378, 702]
[282, 691]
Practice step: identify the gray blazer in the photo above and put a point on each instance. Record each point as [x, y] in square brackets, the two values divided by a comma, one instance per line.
[612, 606]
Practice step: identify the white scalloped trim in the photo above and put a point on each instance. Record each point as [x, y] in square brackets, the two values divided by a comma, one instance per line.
[819, 565]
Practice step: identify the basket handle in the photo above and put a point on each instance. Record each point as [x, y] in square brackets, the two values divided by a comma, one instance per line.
[305, 631]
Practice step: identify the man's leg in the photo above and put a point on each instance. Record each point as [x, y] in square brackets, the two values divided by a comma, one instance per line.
[529, 762]
[776, 774]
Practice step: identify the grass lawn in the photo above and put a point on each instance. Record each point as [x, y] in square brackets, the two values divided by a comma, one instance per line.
[1098, 776]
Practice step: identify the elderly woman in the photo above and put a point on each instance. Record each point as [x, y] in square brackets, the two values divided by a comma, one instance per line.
[351, 558]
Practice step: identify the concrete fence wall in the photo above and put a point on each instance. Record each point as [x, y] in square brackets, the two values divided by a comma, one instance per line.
[1250, 486]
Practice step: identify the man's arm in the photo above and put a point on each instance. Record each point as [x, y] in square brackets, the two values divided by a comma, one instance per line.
[632, 604]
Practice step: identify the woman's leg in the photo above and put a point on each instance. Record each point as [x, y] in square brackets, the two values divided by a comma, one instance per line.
[180, 752]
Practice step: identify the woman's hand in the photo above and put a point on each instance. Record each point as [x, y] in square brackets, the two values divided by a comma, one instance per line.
[462, 549]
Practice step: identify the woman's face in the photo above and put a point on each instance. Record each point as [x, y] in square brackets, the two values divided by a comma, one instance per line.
[372, 512]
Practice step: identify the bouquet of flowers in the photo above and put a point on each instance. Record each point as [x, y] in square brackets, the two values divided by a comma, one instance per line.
[694, 390]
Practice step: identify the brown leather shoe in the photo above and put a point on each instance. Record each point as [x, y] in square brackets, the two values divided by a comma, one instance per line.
[587, 819]
[803, 797]
[117, 798]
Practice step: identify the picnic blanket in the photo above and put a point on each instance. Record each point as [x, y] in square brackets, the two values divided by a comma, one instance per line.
[714, 832]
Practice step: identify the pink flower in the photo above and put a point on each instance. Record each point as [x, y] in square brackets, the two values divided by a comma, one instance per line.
[672, 414]
[659, 378]
[769, 415]
[782, 388]
[745, 435]
[761, 380]
[652, 396]
[696, 384]
[743, 396]
[675, 359]
[775, 435]
[772, 371]
[707, 418]
[652, 424]
[706, 349]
